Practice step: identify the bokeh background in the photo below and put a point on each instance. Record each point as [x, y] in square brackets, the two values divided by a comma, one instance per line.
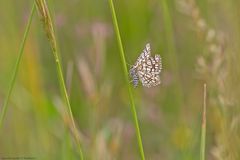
[198, 42]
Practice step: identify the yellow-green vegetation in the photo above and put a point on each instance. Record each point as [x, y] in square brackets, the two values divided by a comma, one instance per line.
[66, 93]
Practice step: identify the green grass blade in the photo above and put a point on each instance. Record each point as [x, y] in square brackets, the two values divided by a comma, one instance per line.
[124, 65]
[203, 132]
[171, 49]
[169, 31]
[48, 27]
[15, 71]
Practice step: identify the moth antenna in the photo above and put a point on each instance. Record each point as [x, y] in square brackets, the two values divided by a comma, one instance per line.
[128, 64]
[127, 61]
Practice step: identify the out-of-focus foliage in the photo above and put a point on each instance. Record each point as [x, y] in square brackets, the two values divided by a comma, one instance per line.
[198, 42]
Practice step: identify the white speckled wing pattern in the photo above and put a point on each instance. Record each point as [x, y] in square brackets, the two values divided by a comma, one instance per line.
[146, 69]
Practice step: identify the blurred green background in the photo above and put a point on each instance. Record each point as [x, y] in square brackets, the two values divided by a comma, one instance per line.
[198, 42]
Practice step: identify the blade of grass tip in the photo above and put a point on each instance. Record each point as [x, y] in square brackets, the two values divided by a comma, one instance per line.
[124, 65]
[203, 131]
[48, 27]
[15, 71]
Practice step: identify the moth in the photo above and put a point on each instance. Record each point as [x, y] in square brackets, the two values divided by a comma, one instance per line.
[146, 69]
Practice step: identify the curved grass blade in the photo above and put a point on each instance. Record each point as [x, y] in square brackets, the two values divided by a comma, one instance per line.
[124, 65]
[171, 49]
[48, 27]
[203, 132]
[15, 71]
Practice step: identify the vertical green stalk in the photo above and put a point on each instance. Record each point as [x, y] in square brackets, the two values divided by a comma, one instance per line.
[124, 65]
[169, 31]
[15, 71]
[170, 42]
[203, 132]
[48, 27]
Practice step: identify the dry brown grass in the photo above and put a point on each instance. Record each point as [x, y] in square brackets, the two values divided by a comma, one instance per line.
[213, 67]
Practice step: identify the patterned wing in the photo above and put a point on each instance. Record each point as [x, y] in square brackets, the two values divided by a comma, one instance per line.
[144, 56]
[149, 71]
[134, 76]
[146, 69]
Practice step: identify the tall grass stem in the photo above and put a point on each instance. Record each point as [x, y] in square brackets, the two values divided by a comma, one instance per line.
[16, 68]
[203, 131]
[48, 27]
[124, 65]
[171, 47]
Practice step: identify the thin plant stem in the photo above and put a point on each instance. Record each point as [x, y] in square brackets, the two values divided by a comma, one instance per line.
[124, 65]
[48, 27]
[170, 43]
[16, 68]
[203, 131]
